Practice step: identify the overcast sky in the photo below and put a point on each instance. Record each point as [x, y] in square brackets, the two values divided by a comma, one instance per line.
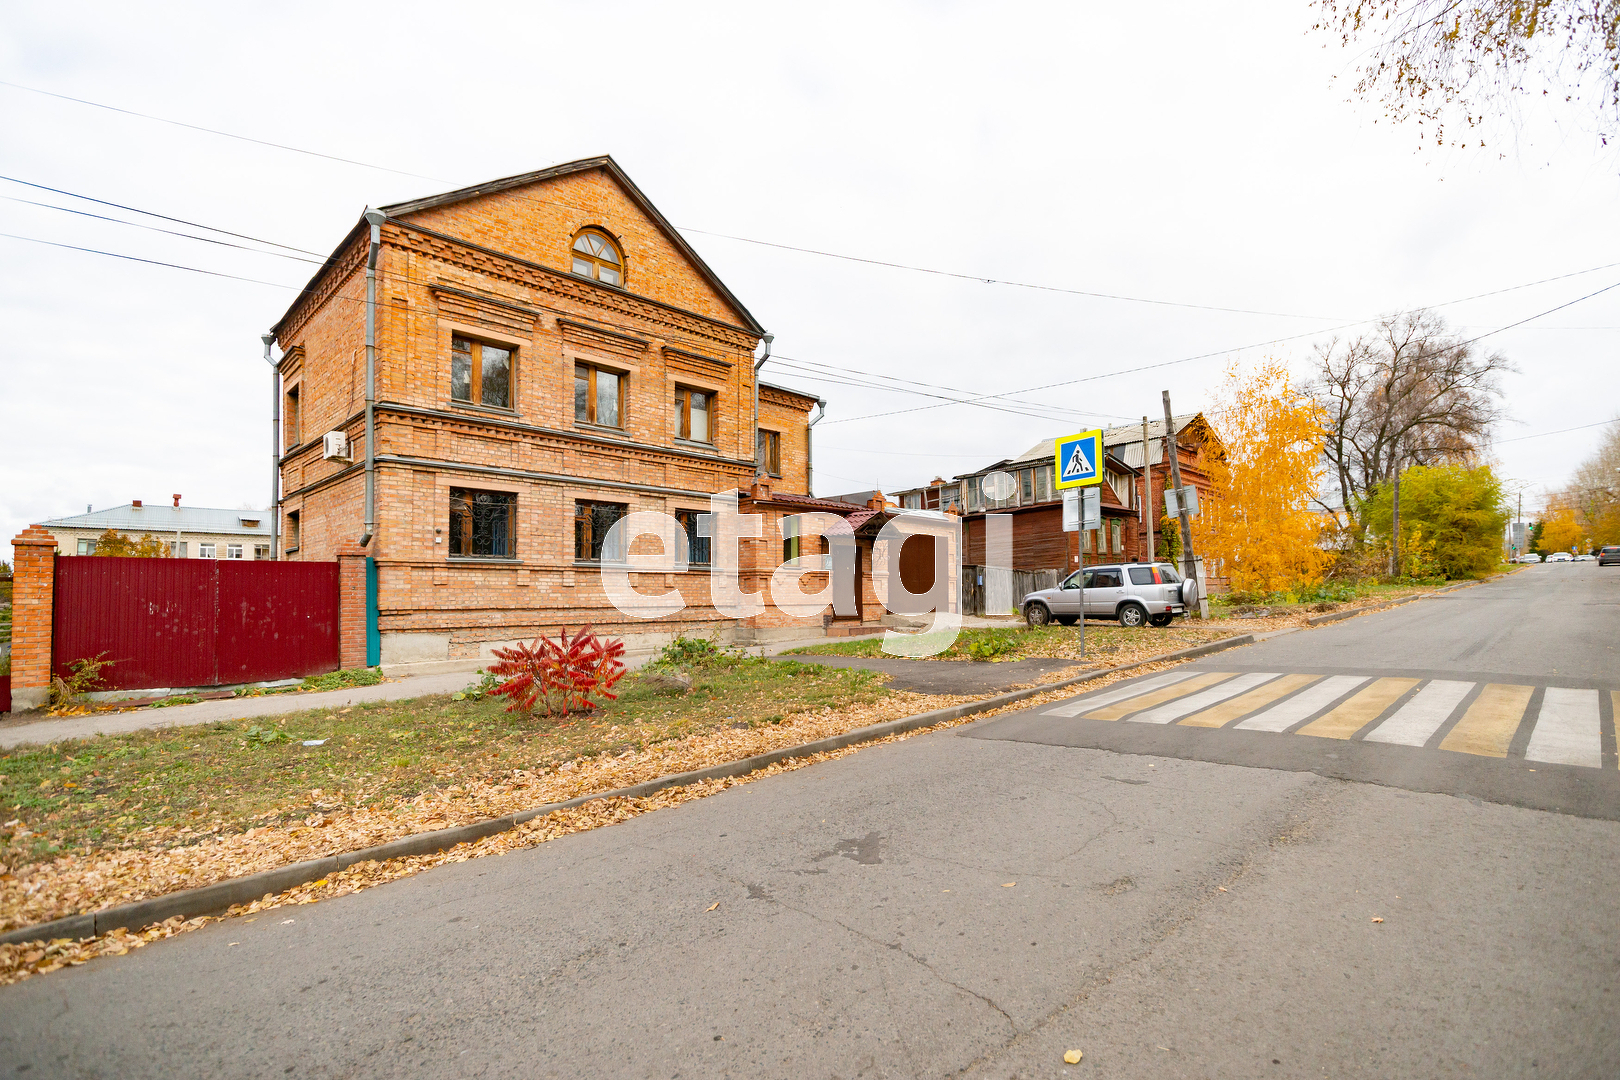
[1201, 154]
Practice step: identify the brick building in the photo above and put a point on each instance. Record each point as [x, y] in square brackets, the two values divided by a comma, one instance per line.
[1036, 506]
[550, 355]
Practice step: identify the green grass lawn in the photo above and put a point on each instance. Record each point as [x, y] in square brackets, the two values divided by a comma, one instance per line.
[1106, 643]
[181, 784]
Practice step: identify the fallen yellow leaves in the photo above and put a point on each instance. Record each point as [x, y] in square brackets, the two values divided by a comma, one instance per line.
[712, 906]
[1073, 1057]
[74, 884]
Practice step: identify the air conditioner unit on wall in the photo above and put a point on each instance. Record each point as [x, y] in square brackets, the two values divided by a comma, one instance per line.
[335, 446]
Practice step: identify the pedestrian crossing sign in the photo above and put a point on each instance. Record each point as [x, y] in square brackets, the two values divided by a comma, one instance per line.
[1079, 460]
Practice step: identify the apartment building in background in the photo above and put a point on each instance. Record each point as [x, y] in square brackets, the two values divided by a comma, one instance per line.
[191, 532]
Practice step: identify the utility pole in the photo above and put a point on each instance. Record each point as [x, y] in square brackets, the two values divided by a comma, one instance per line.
[1147, 490]
[1395, 523]
[1189, 568]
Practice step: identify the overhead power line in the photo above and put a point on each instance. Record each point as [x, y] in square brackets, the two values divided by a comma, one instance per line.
[742, 239]
[154, 214]
[216, 131]
[1560, 431]
[1001, 281]
[167, 232]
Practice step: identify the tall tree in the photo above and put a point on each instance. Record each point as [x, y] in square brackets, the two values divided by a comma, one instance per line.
[1258, 521]
[1408, 392]
[116, 543]
[1438, 60]
[1452, 520]
[1595, 490]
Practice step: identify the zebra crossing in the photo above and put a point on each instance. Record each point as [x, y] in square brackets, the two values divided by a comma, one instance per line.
[1468, 717]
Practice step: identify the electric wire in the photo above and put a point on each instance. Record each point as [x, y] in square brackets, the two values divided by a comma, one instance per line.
[156, 229]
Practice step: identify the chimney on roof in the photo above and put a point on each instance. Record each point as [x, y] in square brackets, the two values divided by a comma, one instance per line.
[135, 504]
[761, 488]
[877, 501]
[938, 481]
[176, 499]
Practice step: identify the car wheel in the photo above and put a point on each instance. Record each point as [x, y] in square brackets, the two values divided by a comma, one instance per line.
[1161, 620]
[1037, 615]
[1065, 620]
[1133, 615]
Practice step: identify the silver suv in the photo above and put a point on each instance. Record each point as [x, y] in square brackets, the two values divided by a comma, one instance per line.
[1133, 593]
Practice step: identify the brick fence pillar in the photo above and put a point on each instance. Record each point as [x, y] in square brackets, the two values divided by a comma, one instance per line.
[33, 595]
[351, 559]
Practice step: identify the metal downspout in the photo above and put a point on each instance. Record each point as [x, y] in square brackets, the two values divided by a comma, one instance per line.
[809, 473]
[275, 451]
[375, 218]
[757, 365]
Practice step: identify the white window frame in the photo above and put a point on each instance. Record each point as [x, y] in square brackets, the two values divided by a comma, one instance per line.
[233, 551]
[207, 551]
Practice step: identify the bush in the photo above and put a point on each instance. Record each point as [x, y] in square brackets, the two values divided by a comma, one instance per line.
[564, 674]
[695, 652]
[990, 644]
[85, 679]
[342, 680]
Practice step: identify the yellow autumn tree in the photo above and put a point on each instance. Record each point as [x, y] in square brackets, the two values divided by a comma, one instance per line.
[1258, 522]
[1560, 531]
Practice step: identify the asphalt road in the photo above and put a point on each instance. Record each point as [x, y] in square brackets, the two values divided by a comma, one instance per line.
[950, 905]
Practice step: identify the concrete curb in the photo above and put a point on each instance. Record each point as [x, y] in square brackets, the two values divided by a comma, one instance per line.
[211, 899]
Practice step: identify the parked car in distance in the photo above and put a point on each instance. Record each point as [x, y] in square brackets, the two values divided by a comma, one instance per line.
[1586, 557]
[1609, 556]
[1133, 593]
[1560, 556]
[1527, 557]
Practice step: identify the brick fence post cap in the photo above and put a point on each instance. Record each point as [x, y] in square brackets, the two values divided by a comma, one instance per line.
[352, 550]
[33, 536]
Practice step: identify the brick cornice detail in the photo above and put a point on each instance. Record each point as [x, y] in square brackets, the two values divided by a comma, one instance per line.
[34, 536]
[565, 286]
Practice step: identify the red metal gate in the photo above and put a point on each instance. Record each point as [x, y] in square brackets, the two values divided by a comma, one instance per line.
[195, 622]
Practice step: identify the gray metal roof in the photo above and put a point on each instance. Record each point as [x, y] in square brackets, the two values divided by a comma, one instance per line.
[166, 519]
[1123, 443]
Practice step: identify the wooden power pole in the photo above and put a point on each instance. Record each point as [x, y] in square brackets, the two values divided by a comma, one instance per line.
[1189, 568]
[1147, 490]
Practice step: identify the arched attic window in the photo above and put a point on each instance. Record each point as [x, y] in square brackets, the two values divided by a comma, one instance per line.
[597, 256]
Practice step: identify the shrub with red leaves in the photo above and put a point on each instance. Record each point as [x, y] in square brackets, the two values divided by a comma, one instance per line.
[564, 674]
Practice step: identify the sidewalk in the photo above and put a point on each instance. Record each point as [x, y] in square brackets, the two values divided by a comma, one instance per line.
[19, 731]
[22, 730]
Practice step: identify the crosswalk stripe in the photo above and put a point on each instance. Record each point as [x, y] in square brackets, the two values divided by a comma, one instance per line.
[1175, 710]
[1159, 697]
[1487, 727]
[1244, 704]
[1421, 717]
[1285, 715]
[1350, 716]
[1568, 731]
[1074, 708]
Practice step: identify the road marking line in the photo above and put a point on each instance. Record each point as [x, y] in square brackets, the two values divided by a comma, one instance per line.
[1286, 715]
[1568, 730]
[1357, 712]
[1488, 726]
[1159, 697]
[1244, 704]
[1074, 708]
[1421, 717]
[1175, 710]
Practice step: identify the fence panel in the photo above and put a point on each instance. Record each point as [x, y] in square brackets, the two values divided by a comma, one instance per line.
[195, 622]
[154, 618]
[277, 620]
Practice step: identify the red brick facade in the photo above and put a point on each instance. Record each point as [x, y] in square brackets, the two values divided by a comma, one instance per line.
[33, 591]
[492, 266]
